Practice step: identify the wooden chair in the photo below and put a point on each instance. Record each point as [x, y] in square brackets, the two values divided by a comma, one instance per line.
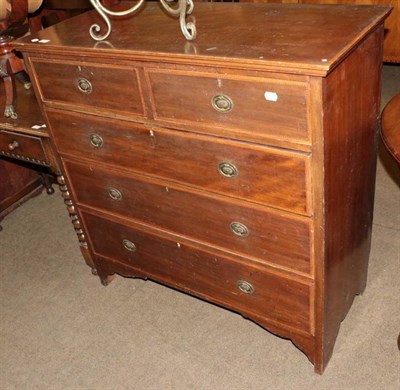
[54, 11]
[12, 14]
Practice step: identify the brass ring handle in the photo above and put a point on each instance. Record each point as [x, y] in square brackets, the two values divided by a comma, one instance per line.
[227, 169]
[13, 145]
[129, 245]
[239, 229]
[114, 194]
[245, 287]
[222, 103]
[96, 141]
[84, 85]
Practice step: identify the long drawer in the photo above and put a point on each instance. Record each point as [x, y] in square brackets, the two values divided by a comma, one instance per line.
[92, 87]
[270, 176]
[237, 227]
[245, 288]
[251, 106]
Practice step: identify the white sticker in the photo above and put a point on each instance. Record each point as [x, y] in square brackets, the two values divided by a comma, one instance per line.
[37, 127]
[271, 96]
[44, 41]
[35, 40]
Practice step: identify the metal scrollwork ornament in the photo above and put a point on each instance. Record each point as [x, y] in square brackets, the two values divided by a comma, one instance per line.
[182, 10]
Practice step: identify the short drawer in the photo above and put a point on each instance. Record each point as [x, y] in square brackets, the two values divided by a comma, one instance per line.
[249, 106]
[23, 147]
[242, 287]
[90, 87]
[238, 227]
[259, 174]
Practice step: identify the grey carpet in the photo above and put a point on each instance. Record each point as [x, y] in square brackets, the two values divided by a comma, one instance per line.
[60, 329]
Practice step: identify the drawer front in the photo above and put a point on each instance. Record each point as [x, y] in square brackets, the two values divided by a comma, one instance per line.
[90, 87]
[23, 147]
[233, 226]
[263, 175]
[251, 106]
[213, 277]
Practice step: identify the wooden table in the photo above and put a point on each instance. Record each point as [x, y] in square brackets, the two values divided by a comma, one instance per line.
[25, 152]
[390, 127]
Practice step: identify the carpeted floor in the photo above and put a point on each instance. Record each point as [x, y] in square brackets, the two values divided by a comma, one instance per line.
[61, 329]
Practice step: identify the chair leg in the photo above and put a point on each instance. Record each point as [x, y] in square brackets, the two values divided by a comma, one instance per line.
[10, 65]
[23, 78]
[9, 84]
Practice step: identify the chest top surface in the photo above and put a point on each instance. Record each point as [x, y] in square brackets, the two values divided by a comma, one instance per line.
[309, 39]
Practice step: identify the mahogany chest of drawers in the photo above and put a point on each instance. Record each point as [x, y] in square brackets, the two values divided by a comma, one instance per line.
[239, 167]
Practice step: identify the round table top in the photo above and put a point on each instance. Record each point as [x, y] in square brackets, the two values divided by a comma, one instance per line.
[390, 127]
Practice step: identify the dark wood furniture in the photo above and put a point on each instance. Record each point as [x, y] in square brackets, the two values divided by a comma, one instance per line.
[390, 129]
[17, 184]
[390, 134]
[25, 153]
[54, 11]
[10, 64]
[239, 167]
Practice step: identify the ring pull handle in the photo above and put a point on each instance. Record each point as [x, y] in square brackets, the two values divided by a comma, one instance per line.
[129, 245]
[114, 194]
[245, 287]
[96, 141]
[84, 85]
[13, 145]
[227, 169]
[239, 229]
[222, 103]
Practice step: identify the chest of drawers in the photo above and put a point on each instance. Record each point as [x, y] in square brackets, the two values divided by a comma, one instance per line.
[238, 168]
